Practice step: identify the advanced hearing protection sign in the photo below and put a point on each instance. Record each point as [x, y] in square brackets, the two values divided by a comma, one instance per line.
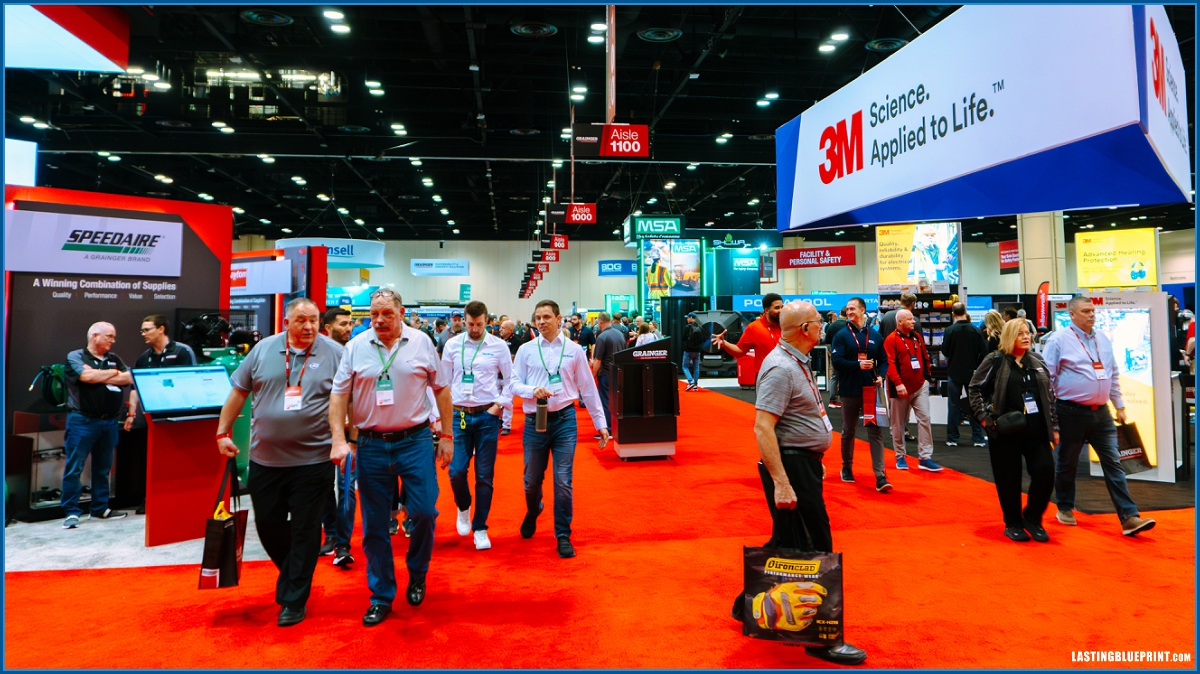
[83, 244]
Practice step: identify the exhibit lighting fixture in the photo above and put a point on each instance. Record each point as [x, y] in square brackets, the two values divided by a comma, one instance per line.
[1012, 226]
[596, 39]
[771, 96]
[637, 212]
[599, 27]
[334, 15]
[226, 129]
[839, 36]
[162, 85]
[762, 246]
[616, 231]
[239, 210]
[150, 77]
[1112, 208]
[134, 71]
[114, 158]
[826, 48]
[340, 28]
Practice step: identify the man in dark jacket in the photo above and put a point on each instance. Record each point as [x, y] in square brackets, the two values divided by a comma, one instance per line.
[887, 322]
[861, 362]
[831, 331]
[693, 339]
[964, 346]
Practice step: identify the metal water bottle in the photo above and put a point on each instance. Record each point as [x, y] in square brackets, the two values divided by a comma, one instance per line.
[541, 414]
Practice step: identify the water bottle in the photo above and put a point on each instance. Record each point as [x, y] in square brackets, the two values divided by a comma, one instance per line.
[541, 414]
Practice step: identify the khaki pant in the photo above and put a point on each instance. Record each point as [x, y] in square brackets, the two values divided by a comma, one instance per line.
[898, 409]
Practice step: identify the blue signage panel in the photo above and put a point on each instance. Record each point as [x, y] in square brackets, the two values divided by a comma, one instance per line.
[823, 302]
[978, 305]
[618, 268]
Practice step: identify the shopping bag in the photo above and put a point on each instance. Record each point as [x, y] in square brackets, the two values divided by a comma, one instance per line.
[224, 537]
[869, 409]
[881, 409]
[1131, 450]
[793, 596]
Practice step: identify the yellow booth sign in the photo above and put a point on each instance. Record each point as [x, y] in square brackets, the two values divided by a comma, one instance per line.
[1117, 259]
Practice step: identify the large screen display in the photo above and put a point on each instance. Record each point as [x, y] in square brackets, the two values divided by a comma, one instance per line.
[182, 389]
[669, 268]
[918, 255]
[1117, 259]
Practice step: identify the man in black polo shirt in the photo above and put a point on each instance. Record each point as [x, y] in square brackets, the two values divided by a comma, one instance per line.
[94, 378]
[610, 341]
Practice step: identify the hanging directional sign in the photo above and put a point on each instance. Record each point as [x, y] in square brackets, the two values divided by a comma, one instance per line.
[549, 256]
[535, 276]
[572, 214]
[611, 140]
[543, 267]
[558, 242]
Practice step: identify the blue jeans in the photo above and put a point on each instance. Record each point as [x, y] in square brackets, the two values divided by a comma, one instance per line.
[379, 463]
[338, 519]
[691, 367]
[559, 439]
[1078, 426]
[84, 435]
[478, 439]
[602, 387]
[954, 414]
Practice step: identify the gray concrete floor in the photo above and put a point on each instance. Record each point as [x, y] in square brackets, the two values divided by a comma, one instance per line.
[97, 544]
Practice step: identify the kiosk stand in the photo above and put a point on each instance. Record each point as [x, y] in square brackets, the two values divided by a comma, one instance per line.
[644, 401]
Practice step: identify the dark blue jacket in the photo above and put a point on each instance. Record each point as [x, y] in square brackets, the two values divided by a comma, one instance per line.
[844, 352]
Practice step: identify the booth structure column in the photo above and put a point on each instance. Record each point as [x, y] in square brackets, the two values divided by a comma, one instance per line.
[1043, 247]
[789, 279]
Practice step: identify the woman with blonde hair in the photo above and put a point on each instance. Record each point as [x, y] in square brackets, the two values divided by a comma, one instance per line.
[645, 335]
[993, 324]
[1012, 397]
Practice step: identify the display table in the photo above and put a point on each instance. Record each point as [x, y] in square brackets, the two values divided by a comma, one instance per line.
[183, 474]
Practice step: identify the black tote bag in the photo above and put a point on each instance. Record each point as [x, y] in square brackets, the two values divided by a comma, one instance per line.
[224, 537]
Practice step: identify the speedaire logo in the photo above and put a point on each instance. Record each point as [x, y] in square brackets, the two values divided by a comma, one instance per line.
[97, 241]
[780, 565]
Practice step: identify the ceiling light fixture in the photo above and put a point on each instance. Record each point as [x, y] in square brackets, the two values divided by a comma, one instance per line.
[437, 198]
[41, 125]
[134, 71]
[114, 158]
[616, 231]
[344, 211]
[762, 103]
[162, 85]
[219, 125]
[268, 160]
[286, 230]
[376, 92]
[579, 88]
[428, 182]
[600, 27]
[596, 39]
[379, 229]
[373, 84]
[445, 211]
[359, 221]
[651, 201]
[691, 167]
[474, 67]
[450, 222]
[227, 129]
[323, 197]
[578, 97]
[417, 162]
[771, 96]
[693, 76]
[238, 210]
[334, 15]
[669, 185]
[839, 36]
[28, 120]
[826, 48]
[400, 132]
[105, 154]
[297, 179]
[340, 28]
[302, 183]
[264, 221]
[722, 140]
[150, 77]
[727, 135]
[455, 231]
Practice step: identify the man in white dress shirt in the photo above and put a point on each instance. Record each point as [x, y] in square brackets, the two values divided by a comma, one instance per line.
[555, 369]
[477, 364]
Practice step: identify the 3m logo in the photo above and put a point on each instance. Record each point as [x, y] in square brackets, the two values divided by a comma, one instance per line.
[843, 149]
[1158, 67]
[94, 241]
[780, 565]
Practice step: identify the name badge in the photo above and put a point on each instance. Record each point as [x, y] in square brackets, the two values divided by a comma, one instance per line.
[1098, 367]
[383, 393]
[916, 364]
[825, 417]
[1030, 404]
[468, 384]
[555, 385]
[862, 356]
[115, 389]
[291, 399]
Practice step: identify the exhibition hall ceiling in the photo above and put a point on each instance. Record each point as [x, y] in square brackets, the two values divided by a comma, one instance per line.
[442, 122]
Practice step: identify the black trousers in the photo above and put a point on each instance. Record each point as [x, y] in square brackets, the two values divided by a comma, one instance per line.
[1006, 452]
[806, 527]
[293, 544]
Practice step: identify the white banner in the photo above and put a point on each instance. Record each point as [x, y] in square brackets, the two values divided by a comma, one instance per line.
[987, 85]
[343, 253]
[260, 278]
[1166, 97]
[35, 241]
[439, 267]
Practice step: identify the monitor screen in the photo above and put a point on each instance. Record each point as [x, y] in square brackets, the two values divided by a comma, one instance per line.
[182, 389]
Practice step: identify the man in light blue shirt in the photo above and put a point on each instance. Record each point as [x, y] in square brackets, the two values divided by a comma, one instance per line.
[1085, 377]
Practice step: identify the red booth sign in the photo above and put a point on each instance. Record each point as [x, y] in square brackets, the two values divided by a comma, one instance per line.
[558, 242]
[550, 255]
[581, 214]
[536, 276]
[1010, 257]
[830, 256]
[611, 140]
[543, 267]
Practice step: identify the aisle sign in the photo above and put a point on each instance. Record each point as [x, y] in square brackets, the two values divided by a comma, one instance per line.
[558, 242]
[549, 256]
[464, 292]
[536, 276]
[829, 256]
[543, 267]
[1117, 259]
[572, 214]
[1010, 257]
[610, 140]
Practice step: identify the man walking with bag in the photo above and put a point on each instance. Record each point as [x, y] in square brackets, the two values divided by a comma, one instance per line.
[291, 375]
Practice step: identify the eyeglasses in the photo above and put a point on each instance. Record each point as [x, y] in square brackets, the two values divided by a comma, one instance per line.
[145, 330]
[384, 292]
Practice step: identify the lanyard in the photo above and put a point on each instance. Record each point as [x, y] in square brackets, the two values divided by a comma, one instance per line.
[388, 364]
[287, 365]
[464, 354]
[560, 358]
[1085, 349]
[862, 348]
[811, 383]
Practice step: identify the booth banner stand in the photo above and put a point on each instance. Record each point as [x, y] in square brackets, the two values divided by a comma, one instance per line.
[644, 400]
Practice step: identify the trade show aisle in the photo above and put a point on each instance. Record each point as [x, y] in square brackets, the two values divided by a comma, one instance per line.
[930, 581]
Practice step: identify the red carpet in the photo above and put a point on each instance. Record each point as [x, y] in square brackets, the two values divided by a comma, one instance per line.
[930, 581]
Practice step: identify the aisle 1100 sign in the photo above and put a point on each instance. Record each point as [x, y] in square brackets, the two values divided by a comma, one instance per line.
[611, 140]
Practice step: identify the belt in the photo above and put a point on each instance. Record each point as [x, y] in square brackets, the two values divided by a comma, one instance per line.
[102, 417]
[800, 451]
[553, 415]
[393, 436]
[1069, 403]
[472, 410]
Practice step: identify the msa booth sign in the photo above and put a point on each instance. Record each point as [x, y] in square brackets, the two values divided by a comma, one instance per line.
[83, 244]
[652, 227]
[959, 123]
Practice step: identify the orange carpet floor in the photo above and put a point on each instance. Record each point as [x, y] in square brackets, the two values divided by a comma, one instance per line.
[929, 581]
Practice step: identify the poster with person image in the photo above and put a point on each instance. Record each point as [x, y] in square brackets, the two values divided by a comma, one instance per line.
[918, 256]
[670, 268]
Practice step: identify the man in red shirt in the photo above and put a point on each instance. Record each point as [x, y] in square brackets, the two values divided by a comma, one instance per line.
[762, 335]
[908, 377]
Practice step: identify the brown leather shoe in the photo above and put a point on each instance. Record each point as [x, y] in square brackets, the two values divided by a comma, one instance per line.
[1066, 517]
[1136, 525]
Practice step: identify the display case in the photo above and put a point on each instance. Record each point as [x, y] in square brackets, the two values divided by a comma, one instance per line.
[932, 312]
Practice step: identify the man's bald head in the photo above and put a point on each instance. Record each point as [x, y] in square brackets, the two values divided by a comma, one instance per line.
[507, 328]
[800, 324]
[904, 321]
[101, 336]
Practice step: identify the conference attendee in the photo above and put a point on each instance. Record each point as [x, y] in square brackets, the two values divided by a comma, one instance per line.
[793, 432]
[762, 335]
[456, 328]
[1021, 316]
[861, 363]
[654, 329]
[645, 335]
[993, 325]
[693, 341]
[610, 341]
[478, 366]
[964, 347]
[94, 377]
[636, 331]
[358, 328]
[338, 325]
[290, 375]
[1010, 314]
[1085, 377]
[581, 334]
[837, 324]
[508, 334]
[909, 374]
[1014, 380]
[382, 385]
[554, 370]
[887, 322]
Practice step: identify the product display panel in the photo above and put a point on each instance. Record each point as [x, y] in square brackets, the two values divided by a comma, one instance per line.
[182, 389]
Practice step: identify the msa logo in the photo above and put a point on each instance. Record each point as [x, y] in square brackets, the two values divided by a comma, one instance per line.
[1158, 67]
[843, 149]
[95, 241]
[659, 226]
[745, 263]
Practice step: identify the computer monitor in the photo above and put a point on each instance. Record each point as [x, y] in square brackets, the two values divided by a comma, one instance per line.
[182, 391]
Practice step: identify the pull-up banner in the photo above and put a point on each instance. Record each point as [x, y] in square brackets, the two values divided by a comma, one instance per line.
[959, 124]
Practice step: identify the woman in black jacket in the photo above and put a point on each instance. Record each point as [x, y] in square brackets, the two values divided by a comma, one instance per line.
[1014, 381]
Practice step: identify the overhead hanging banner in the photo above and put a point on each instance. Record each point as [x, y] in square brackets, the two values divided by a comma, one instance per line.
[959, 124]
[917, 256]
[611, 140]
[1117, 259]
[736, 238]
[86, 244]
[803, 258]
[439, 267]
[1010, 257]
[652, 227]
[343, 253]
[261, 278]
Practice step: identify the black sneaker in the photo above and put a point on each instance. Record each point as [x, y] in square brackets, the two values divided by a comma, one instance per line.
[909, 436]
[1037, 531]
[1017, 534]
[529, 524]
[408, 527]
[847, 475]
[565, 549]
[343, 556]
[505, 431]
[394, 527]
[882, 485]
[110, 514]
[328, 546]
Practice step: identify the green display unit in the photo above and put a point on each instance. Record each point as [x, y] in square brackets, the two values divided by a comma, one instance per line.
[230, 358]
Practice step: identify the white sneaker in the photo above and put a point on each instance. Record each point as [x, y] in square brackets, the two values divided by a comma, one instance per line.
[482, 542]
[463, 523]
